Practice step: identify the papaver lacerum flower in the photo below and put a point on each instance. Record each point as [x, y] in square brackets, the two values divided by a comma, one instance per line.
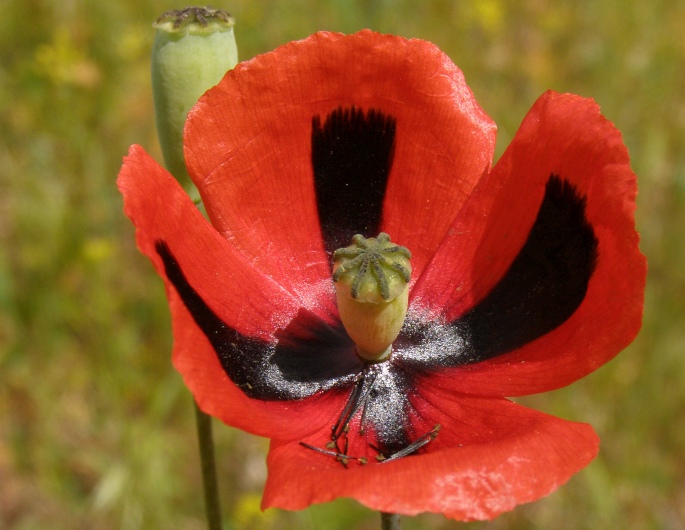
[525, 277]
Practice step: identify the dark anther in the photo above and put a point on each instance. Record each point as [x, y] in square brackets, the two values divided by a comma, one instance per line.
[348, 411]
[411, 448]
[340, 457]
[359, 397]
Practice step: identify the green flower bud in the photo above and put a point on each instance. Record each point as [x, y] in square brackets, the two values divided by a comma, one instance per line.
[193, 49]
[371, 278]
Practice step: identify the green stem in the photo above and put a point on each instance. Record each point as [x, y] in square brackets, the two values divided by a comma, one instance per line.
[209, 480]
[390, 521]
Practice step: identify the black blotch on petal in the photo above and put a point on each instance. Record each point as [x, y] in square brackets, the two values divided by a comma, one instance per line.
[543, 287]
[546, 282]
[309, 349]
[308, 356]
[352, 153]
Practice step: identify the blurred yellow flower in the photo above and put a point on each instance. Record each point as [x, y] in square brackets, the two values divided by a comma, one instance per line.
[63, 62]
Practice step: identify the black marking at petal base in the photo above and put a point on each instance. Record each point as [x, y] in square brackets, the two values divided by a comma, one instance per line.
[352, 154]
[307, 357]
[545, 284]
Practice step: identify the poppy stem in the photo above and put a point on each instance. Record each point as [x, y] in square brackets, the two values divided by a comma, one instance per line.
[209, 480]
[390, 521]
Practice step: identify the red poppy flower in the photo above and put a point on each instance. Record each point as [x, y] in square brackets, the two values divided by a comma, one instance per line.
[527, 276]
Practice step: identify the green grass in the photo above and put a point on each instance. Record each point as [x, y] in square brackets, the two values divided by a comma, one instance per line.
[97, 430]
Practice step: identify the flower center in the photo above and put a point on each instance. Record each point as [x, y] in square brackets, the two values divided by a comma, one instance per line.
[371, 277]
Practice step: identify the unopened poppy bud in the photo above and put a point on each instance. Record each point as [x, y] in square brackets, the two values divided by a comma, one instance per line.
[371, 277]
[193, 49]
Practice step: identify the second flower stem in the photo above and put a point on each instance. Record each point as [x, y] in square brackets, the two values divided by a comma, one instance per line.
[209, 480]
[390, 521]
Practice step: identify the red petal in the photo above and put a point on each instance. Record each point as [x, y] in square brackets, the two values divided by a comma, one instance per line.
[248, 146]
[161, 210]
[565, 135]
[489, 456]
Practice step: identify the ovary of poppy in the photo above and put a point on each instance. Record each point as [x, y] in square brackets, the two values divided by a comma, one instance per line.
[526, 276]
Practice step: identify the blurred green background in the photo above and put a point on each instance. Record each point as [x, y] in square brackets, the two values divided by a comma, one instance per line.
[96, 429]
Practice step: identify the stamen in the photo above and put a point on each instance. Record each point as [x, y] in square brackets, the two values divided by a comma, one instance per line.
[365, 401]
[411, 448]
[359, 397]
[340, 457]
[349, 409]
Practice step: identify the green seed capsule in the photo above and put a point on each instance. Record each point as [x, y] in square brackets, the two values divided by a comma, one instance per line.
[371, 278]
[193, 49]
